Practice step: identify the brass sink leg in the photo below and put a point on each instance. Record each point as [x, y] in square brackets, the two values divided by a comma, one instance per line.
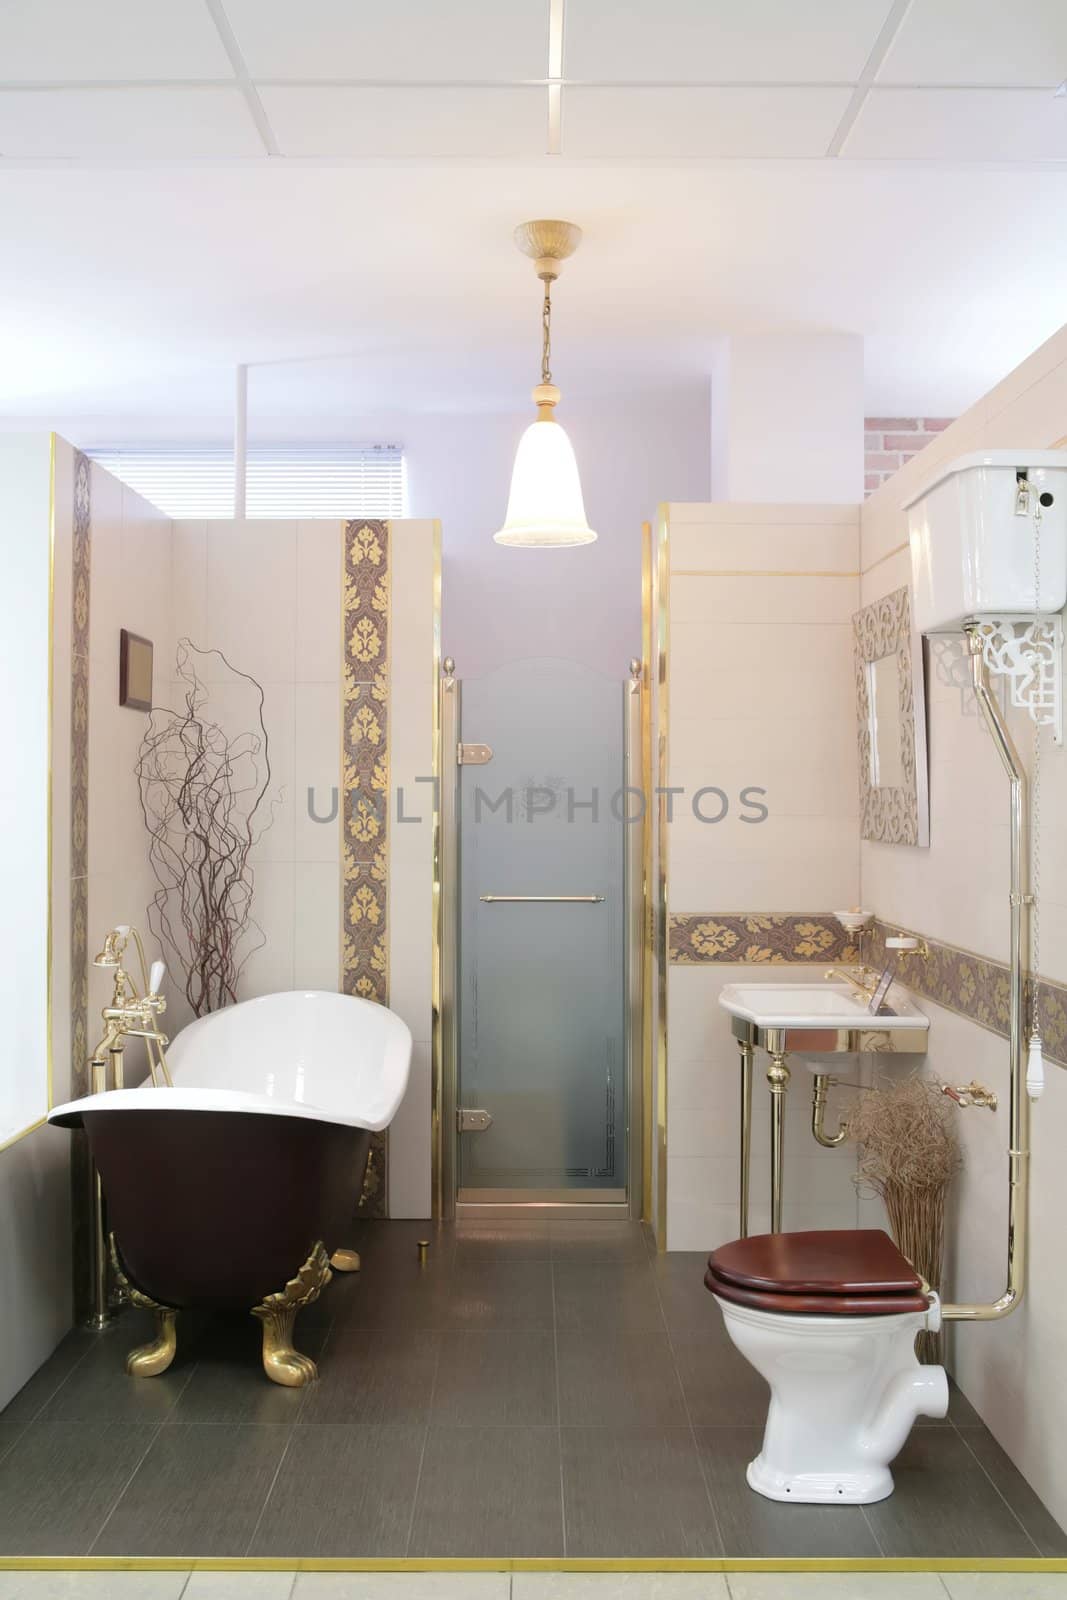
[747, 1053]
[778, 1077]
[278, 1312]
[148, 1360]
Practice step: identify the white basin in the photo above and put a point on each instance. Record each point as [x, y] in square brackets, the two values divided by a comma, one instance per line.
[818, 1005]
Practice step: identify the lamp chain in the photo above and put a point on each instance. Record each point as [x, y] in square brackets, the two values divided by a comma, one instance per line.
[546, 334]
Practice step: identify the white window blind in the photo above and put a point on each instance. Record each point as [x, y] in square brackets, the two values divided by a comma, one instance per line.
[196, 481]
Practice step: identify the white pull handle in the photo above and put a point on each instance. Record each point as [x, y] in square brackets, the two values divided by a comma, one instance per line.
[155, 977]
[1035, 1068]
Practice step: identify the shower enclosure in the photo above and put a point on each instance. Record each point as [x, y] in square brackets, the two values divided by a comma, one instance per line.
[543, 817]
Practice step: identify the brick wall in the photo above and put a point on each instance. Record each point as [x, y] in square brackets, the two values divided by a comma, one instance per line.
[890, 441]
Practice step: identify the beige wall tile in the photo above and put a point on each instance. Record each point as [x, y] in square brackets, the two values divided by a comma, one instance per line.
[252, 576]
[318, 601]
[316, 766]
[317, 925]
[792, 602]
[772, 547]
[409, 1144]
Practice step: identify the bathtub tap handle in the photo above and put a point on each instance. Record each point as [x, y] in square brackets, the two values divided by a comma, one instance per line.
[158, 973]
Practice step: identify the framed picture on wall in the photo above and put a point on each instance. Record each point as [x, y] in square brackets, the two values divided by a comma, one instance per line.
[135, 671]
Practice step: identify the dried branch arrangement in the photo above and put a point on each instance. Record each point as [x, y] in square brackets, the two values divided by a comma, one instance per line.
[204, 797]
[909, 1156]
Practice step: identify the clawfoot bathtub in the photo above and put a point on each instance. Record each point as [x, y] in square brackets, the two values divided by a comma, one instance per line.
[233, 1187]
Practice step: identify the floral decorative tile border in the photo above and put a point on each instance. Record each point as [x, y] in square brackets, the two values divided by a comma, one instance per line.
[365, 792]
[757, 938]
[969, 984]
[974, 987]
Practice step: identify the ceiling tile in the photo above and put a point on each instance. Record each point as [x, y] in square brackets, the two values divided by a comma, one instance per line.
[700, 122]
[48, 41]
[980, 42]
[392, 40]
[407, 121]
[720, 41]
[960, 125]
[134, 123]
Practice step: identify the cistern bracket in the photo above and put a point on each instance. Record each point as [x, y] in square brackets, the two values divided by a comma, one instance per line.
[1027, 651]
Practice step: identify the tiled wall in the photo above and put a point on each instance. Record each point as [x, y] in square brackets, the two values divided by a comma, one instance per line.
[890, 442]
[957, 891]
[761, 694]
[268, 594]
[35, 1275]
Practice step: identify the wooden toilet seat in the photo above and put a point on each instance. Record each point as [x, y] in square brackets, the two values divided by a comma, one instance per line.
[835, 1272]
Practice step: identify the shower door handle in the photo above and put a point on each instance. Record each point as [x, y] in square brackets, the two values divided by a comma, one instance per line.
[544, 899]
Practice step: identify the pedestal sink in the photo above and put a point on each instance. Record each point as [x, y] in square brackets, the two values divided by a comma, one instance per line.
[815, 1019]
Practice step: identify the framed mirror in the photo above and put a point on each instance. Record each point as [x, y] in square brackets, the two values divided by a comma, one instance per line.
[891, 723]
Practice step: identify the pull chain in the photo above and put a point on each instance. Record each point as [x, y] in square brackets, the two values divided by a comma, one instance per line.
[546, 334]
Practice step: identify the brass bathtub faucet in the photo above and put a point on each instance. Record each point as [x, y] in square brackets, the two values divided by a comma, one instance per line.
[130, 1015]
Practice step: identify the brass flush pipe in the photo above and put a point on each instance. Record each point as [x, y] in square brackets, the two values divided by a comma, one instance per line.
[1019, 1103]
[819, 1093]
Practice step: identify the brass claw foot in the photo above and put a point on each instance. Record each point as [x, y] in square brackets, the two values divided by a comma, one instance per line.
[281, 1362]
[345, 1261]
[148, 1360]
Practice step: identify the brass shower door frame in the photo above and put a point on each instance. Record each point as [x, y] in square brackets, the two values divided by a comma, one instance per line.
[634, 1201]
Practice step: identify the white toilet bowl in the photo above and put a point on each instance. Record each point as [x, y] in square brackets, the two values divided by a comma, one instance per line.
[845, 1391]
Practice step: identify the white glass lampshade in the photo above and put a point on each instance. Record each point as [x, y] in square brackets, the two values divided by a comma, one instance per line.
[545, 506]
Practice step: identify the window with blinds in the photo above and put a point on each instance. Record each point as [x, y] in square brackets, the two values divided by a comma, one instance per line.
[196, 481]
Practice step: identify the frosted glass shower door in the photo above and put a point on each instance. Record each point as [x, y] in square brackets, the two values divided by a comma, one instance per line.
[542, 1042]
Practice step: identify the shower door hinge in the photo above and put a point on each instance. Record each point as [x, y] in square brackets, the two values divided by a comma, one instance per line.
[468, 1121]
[473, 755]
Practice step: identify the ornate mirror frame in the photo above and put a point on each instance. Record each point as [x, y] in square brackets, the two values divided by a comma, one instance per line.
[893, 815]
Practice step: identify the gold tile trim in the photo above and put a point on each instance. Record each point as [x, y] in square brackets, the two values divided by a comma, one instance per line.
[533, 1564]
[897, 548]
[364, 809]
[761, 572]
[81, 575]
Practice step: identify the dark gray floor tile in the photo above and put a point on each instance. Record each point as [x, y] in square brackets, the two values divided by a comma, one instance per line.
[343, 1491]
[502, 1241]
[399, 1241]
[374, 1376]
[9, 1432]
[597, 1241]
[59, 1481]
[228, 1384]
[400, 1296]
[721, 1388]
[501, 1294]
[489, 1492]
[687, 1305]
[611, 1380]
[99, 1389]
[496, 1378]
[1034, 1515]
[599, 1294]
[944, 1504]
[752, 1526]
[635, 1492]
[35, 1394]
[198, 1492]
[961, 1413]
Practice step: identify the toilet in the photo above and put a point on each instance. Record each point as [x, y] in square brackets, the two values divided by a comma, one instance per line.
[829, 1319]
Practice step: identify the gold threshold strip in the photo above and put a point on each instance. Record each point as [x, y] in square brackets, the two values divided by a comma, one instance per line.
[529, 1564]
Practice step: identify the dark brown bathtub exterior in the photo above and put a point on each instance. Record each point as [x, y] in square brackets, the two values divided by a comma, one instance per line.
[222, 1208]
